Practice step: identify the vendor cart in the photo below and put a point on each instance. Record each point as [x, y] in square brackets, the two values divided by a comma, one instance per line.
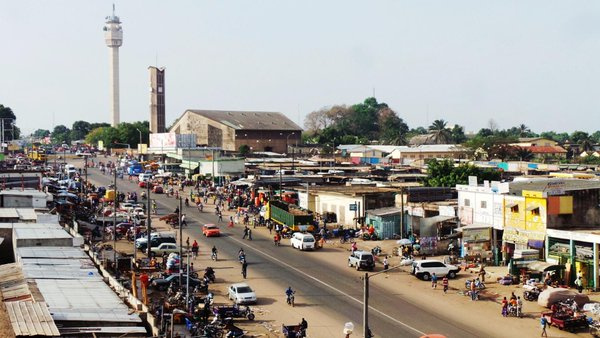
[566, 321]
[293, 331]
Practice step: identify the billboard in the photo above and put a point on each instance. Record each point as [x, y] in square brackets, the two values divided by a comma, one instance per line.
[172, 140]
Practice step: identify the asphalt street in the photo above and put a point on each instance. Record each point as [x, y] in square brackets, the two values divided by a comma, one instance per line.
[338, 290]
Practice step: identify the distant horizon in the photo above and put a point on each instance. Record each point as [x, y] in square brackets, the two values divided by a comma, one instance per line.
[518, 62]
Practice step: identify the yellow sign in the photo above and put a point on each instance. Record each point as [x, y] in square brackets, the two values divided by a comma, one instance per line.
[534, 194]
[100, 145]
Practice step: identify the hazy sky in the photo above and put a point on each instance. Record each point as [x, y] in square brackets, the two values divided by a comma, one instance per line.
[532, 62]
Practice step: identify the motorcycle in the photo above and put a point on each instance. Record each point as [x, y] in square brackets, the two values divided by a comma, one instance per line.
[376, 251]
[478, 284]
[515, 311]
[209, 274]
[532, 295]
[242, 258]
[595, 328]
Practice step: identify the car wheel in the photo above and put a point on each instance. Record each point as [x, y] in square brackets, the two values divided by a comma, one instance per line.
[426, 276]
[452, 274]
[357, 267]
[349, 264]
[251, 316]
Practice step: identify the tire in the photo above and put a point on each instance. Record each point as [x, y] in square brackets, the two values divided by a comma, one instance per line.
[452, 274]
[251, 316]
[218, 334]
[349, 264]
[426, 276]
[357, 267]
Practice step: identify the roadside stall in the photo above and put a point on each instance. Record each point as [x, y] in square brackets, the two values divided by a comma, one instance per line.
[476, 243]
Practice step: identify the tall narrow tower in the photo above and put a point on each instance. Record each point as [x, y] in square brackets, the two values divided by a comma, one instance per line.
[113, 35]
[157, 100]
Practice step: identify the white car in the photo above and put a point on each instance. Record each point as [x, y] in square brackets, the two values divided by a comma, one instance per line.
[302, 241]
[426, 268]
[241, 293]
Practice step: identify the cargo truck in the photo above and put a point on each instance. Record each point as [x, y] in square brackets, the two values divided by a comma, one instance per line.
[295, 217]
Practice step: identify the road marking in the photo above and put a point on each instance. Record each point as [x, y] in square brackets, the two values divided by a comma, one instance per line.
[327, 285]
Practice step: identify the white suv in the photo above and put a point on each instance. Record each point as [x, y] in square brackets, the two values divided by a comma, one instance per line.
[424, 269]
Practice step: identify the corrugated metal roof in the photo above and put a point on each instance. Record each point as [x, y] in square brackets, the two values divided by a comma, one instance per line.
[249, 120]
[12, 283]
[51, 252]
[9, 213]
[31, 319]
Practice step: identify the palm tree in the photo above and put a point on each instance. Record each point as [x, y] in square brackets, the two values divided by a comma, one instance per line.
[586, 144]
[441, 134]
[523, 154]
[523, 130]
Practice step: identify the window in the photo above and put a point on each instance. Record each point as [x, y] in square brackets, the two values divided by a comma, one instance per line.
[514, 209]
[467, 202]
[483, 204]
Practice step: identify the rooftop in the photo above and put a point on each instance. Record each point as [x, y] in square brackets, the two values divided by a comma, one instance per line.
[249, 120]
[516, 187]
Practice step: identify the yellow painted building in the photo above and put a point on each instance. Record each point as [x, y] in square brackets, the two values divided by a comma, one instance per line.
[525, 220]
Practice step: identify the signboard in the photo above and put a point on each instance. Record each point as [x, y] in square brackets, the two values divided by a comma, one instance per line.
[416, 211]
[555, 188]
[447, 210]
[477, 235]
[472, 181]
[100, 145]
[163, 140]
[353, 207]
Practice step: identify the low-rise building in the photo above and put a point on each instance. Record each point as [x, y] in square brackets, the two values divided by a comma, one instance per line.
[419, 154]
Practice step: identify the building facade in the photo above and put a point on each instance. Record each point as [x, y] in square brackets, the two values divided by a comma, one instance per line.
[230, 130]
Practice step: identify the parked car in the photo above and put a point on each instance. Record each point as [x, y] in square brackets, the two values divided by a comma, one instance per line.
[361, 260]
[157, 189]
[241, 293]
[164, 248]
[154, 242]
[164, 283]
[302, 241]
[143, 184]
[425, 268]
[210, 230]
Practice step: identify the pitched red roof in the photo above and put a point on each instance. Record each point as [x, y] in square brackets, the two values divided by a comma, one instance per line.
[546, 149]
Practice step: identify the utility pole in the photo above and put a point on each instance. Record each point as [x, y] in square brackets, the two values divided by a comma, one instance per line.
[85, 167]
[280, 183]
[366, 306]
[148, 220]
[402, 212]
[180, 243]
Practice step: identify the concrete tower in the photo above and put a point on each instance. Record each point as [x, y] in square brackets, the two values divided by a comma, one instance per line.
[113, 35]
[157, 100]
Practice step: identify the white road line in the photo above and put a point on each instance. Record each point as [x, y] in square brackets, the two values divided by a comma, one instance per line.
[328, 285]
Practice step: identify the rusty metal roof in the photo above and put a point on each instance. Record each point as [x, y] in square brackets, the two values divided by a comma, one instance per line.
[249, 120]
[31, 319]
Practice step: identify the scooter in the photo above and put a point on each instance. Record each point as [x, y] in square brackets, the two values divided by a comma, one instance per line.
[532, 295]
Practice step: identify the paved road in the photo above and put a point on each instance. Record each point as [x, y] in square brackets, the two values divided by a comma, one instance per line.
[338, 289]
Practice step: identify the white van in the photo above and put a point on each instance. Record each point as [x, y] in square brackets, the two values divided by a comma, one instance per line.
[303, 241]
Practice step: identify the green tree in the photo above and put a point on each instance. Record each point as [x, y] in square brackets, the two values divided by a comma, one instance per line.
[524, 131]
[61, 134]
[80, 129]
[363, 119]
[441, 133]
[11, 132]
[523, 154]
[444, 173]
[458, 134]
[393, 129]
[244, 149]
[41, 133]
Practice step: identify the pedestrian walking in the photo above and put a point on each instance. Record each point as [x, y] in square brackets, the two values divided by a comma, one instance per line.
[245, 232]
[473, 290]
[579, 284]
[183, 220]
[445, 284]
[544, 323]
[244, 269]
[386, 264]
[250, 234]
[504, 307]
[220, 216]
[434, 281]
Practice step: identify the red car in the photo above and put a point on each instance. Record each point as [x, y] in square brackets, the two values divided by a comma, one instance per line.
[157, 189]
[142, 184]
[210, 230]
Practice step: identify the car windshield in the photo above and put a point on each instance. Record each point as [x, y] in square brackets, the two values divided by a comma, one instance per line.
[209, 227]
[244, 289]
[309, 239]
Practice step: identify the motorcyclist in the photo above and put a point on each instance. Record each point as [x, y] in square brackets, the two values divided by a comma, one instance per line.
[143, 195]
[214, 252]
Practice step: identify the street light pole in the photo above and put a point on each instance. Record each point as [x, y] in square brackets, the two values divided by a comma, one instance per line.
[180, 243]
[366, 331]
[148, 220]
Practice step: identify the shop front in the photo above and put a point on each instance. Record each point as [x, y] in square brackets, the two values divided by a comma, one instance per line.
[477, 243]
[578, 251]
